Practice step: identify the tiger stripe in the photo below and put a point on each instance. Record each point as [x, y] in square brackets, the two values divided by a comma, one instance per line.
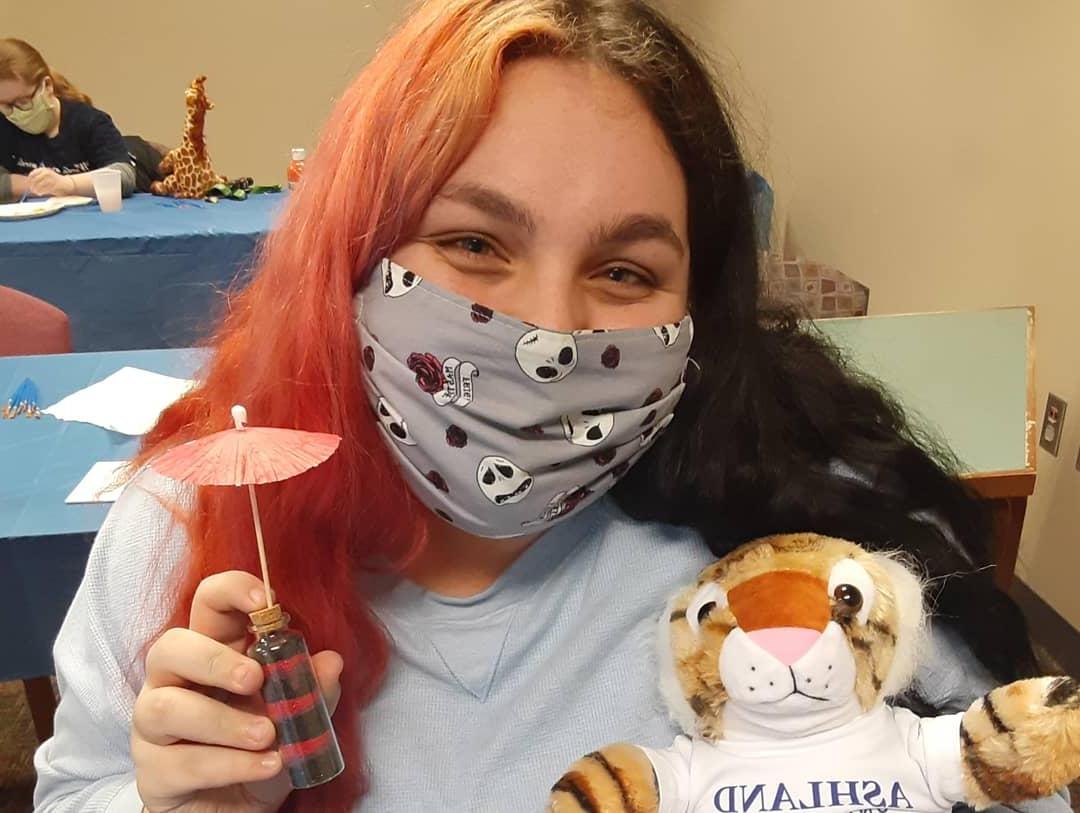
[997, 783]
[993, 716]
[1064, 692]
[616, 777]
[576, 785]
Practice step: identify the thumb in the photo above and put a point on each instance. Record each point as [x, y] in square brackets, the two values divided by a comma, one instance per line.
[328, 665]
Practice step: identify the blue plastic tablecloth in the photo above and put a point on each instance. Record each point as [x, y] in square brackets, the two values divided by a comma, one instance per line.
[149, 276]
[43, 541]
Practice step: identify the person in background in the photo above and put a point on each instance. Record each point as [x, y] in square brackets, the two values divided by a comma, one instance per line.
[51, 136]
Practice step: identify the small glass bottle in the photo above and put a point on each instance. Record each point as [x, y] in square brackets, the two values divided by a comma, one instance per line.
[305, 736]
[296, 166]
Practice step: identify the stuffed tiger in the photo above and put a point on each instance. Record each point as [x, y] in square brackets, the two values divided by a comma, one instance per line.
[776, 663]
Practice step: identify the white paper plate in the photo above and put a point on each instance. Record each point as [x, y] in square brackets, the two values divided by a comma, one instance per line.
[28, 209]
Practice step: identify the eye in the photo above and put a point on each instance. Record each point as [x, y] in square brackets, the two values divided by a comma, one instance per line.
[626, 276]
[848, 598]
[469, 245]
[708, 598]
[704, 610]
[852, 590]
[505, 471]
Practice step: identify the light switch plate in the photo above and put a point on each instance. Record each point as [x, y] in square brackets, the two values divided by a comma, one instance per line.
[1053, 424]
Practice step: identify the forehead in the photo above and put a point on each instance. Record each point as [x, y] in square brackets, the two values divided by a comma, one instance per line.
[567, 137]
[12, 89]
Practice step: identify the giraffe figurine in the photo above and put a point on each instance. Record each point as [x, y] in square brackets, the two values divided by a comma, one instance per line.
[188, 171]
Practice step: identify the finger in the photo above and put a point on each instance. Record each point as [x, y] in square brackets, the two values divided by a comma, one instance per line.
[170, 714]
[181, 656]
[328, 666]
[221, 604]
[172, 771]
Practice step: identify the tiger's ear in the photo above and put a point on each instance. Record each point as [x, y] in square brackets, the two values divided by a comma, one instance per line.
[708, 598]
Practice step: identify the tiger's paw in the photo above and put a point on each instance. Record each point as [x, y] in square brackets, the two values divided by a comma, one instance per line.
[1021, 741]
[616, 779]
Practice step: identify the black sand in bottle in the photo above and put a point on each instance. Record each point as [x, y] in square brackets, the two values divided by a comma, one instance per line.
[306, 740]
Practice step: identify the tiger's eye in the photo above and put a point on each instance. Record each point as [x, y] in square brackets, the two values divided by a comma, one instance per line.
[706, 608]
[848, 597]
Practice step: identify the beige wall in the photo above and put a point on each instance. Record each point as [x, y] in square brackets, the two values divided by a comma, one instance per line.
[273, 67]
[931, 149]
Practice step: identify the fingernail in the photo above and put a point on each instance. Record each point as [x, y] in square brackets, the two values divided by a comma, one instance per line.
[258, 731]
[240, 674]
[258, 596]
[271, 761]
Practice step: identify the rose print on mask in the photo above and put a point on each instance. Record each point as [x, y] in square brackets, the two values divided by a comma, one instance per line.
[502, 481]
[398, 281]
[428, 369]
[561, 504]
[546, 356]
[447, 382]
[481, 314]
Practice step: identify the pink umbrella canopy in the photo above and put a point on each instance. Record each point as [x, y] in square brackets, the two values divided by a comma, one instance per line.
[246, 455]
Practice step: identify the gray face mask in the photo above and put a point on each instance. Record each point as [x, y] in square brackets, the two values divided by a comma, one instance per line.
[500, 427]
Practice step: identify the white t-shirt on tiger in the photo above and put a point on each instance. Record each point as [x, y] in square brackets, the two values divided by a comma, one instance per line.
[884, 760]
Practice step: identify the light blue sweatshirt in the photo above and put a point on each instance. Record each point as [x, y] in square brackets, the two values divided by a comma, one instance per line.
[487, 700]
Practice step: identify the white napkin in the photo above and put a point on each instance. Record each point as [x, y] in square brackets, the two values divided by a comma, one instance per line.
[97, 485]
[129, 401]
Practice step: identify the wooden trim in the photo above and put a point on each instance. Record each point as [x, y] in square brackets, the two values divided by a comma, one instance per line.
[1060, 638]
[1030, 445]
[1030, 308]
[999, 484]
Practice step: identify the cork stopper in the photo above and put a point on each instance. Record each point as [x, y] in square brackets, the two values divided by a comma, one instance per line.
[268, 619]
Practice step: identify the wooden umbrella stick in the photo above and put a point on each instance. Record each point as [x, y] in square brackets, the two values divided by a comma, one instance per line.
[262, 549]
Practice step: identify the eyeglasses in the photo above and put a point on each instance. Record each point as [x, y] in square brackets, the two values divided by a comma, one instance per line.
[23, 103]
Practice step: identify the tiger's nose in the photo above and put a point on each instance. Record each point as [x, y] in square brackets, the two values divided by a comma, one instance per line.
[786, 644]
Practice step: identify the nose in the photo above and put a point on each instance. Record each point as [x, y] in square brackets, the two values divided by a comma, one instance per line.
[549, 294]
[786, 644]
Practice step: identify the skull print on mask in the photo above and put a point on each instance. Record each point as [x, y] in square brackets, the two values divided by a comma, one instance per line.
[588, 428]
[397, 281]
[501, 481]
[668, 334]
[393, 423]
[546, 356]
[501, 427]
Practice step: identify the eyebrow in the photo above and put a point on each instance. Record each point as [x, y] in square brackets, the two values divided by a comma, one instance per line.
[637, 228]
[629, 229]
[492, 203]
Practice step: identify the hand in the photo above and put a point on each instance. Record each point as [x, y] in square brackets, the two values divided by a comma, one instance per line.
[44, 182]
[200, 739]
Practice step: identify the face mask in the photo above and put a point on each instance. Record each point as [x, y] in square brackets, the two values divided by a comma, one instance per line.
[500, 427]
[36, 119]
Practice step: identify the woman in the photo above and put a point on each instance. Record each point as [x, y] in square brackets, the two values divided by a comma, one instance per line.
[51, 137]
[531, 198]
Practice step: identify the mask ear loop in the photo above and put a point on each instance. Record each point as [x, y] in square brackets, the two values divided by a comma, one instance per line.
[695, 379]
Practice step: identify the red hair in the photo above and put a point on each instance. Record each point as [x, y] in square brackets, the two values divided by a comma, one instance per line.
[288, 348]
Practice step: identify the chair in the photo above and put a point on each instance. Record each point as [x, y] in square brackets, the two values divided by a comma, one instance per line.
[821, 291]
[30, 326]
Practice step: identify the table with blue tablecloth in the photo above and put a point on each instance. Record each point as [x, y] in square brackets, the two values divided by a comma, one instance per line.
[152, 275]
[44, 541]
